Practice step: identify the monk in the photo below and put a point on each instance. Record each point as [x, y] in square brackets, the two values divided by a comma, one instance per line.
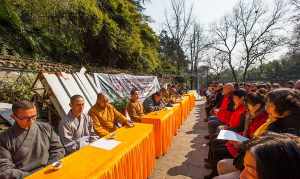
[135, 108]
[105, 117]
[28, 145]
[76, 129]
[154, 103]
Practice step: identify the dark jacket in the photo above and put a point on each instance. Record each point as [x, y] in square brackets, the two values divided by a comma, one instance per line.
[289, 124]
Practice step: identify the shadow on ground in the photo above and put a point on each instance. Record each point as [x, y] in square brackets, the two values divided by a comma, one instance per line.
[193, 166]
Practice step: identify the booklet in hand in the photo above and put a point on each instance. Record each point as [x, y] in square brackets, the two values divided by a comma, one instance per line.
[230, 135]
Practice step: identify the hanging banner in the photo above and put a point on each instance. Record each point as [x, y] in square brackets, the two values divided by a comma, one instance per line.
[118, 86]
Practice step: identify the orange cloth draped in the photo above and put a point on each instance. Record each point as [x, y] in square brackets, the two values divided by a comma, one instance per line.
[134, 158]
[166, 123]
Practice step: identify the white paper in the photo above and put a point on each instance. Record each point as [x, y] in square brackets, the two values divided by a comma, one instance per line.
[105, 144]
[230, 135]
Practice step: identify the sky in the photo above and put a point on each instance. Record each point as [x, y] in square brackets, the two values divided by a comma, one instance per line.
[205, 12]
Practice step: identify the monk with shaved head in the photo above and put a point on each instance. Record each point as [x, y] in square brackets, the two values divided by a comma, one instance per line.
[105, 116]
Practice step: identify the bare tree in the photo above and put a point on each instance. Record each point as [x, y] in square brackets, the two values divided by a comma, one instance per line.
[296, 3]
[197, 45]
[295, 40]
[259, 31]
[216, 62]
[249, 34]
[226, 40]
[178, 22]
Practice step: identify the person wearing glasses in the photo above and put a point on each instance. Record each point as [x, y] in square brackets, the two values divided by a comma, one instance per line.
[28, 145]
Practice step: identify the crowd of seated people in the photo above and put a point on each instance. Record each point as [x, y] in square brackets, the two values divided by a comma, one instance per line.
[30, 145]
[267, 114]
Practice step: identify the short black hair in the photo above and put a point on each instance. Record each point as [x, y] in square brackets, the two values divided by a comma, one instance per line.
[133, 91]
[75, 97]
[277, 155]
[158, 93]
[255, 98]
[22, 104]
[239, 92]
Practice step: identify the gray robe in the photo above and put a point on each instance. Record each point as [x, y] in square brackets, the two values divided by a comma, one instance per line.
[150, 105]
[72, 130]
[24, 151]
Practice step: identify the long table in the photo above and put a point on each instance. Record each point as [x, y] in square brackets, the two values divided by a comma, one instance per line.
[134, 158]
[167, 121]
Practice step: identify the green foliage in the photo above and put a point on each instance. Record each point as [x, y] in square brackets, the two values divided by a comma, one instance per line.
[120, 104]
[101, 32]
[169, 52]
[282, 70]
[274, 71]
[10, 91]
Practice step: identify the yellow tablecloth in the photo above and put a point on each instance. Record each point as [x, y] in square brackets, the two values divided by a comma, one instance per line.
[134, 158]
[166, 122]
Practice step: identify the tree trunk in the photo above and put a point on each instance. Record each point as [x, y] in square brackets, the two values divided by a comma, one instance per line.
[233, 73]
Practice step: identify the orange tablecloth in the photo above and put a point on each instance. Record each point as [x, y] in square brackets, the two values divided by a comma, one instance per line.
[134, 158]
[166, 122]
[192, 100]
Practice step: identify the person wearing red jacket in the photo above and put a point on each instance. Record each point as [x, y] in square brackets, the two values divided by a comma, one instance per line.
[223, 110]
[255, 117]
[217, 150]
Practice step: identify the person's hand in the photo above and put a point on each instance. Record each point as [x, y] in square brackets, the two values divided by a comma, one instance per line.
[129, 124]
[83, 142]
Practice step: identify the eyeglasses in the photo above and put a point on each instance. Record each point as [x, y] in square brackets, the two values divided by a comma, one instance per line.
[30, 118]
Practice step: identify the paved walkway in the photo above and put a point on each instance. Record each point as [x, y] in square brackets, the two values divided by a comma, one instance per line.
[185, 157]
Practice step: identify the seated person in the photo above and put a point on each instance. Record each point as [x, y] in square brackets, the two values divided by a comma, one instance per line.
[271, 156]
[223, 110]
[283, 108]
[173, 94]
[153, 103]
[76, 128]
[254, 119]
[105, 117]
[239, 109]
[28, 145]
[166, 97]
[217, 148]
[182, 88]
[135, 108]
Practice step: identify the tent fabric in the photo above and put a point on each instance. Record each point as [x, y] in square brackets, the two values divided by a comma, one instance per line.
[6, 112]
[116, 86]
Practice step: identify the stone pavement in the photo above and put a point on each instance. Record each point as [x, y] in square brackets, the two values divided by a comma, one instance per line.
[185, 157]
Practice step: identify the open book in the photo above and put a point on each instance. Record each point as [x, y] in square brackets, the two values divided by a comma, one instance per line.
[230, 135]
